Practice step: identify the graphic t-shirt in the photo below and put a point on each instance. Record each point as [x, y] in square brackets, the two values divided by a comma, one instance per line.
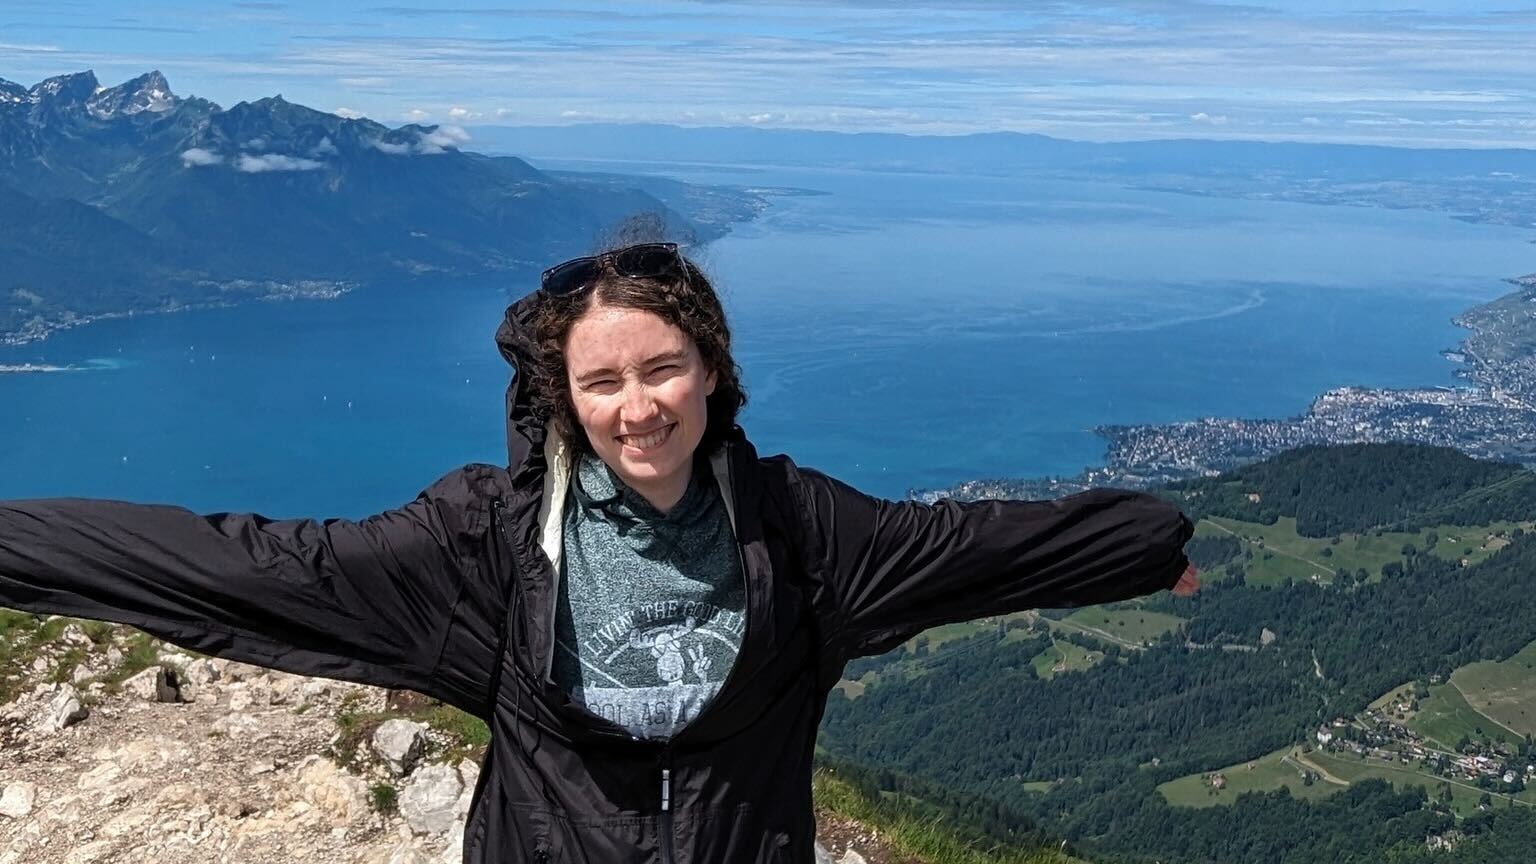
[651, 607]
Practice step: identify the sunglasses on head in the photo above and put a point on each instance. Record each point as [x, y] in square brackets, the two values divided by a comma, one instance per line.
[640, 261]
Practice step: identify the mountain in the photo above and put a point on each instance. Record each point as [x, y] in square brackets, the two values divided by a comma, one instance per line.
[1356, 674]
[190, 201]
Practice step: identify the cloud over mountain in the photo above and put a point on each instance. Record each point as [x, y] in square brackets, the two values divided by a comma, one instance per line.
[274, 162]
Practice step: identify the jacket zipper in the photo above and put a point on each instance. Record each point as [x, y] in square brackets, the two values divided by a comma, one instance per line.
[664, 821]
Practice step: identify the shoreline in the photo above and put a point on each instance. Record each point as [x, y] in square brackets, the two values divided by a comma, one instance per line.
[25, 368]
[39, 329]
[1493, 417]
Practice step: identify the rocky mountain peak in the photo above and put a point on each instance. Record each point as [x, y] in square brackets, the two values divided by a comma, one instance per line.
[72, 89]
[148, 92]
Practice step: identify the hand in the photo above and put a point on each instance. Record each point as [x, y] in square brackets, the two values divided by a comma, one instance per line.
[1188, 583]
[701, 663]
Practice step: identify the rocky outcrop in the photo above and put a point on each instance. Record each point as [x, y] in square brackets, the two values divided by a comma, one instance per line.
[195, 760]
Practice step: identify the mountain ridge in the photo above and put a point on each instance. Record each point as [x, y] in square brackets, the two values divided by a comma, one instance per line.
[271, 192]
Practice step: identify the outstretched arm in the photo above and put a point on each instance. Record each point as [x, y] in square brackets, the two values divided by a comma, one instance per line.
[903, 566]
[373, 601]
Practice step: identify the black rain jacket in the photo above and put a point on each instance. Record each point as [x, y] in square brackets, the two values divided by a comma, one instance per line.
[453, 595]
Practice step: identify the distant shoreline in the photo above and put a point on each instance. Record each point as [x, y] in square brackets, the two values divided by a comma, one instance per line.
[40, 328]
[1488, 418]
[23, 368]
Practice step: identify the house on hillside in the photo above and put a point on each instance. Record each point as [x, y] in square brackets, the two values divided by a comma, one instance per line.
[1324, 735]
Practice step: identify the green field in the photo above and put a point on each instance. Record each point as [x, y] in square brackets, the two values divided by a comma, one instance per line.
[1301, 558]
[1127, 626]
[1069, 657]
[1463, 794]
[1445, 716]
[1274, 770]
[1268, 772]
[1503, 691]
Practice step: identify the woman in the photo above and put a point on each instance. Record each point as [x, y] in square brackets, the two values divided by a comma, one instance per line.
[647, 613]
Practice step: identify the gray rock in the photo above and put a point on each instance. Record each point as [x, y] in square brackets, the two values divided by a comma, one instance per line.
[174, 659]
[154, 684]
[17, 799]
[405, 853]
[400, 744]
[453, 848]
[852, 857]
[429, 801]
[75, 636]
[822, 855]
[64, 708]
[201, 672]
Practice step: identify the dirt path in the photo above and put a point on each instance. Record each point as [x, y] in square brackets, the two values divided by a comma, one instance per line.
[1296, 757]
[1094, 631]
[1278, 551]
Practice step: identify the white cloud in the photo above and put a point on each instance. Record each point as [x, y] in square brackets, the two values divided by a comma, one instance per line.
[274, 162]
[441, 139]
[197, 157]
[460, 113]
[347, 113]
[1210, 119]
[324, 148]
[416, 114]
[1311, 121]
[256, 144]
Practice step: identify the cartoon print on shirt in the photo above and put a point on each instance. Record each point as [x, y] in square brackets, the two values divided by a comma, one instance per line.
[701, 663]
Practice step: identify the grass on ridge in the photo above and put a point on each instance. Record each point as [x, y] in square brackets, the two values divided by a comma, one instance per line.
[1504, 691]
[923, 837]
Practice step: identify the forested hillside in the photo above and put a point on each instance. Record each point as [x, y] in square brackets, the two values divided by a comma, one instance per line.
[1242, 671]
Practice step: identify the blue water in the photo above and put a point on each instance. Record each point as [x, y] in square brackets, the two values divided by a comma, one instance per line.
[898, 331]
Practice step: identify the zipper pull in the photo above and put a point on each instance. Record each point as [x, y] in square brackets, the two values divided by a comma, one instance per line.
[666, 789]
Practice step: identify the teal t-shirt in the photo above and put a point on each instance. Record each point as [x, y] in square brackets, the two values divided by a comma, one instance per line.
[651, 607]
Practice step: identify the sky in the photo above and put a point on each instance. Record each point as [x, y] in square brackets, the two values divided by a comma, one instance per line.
[1458, 73]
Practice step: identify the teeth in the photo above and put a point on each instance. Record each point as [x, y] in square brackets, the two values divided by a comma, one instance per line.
[646, 442]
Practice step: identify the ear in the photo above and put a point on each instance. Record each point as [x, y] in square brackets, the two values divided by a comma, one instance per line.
[709, 382]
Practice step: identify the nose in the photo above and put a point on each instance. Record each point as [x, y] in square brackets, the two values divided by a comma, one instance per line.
[639, 406]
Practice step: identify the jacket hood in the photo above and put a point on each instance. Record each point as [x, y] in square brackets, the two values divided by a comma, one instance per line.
[514, 339]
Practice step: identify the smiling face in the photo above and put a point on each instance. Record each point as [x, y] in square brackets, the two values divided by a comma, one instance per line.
[638, 386]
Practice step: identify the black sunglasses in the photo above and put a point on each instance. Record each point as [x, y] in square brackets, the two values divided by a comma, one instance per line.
[640, 261]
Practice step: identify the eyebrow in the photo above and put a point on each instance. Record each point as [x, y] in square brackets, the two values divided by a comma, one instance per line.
[669, 356]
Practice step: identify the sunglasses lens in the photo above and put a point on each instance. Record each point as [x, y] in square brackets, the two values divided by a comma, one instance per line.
[569, 277]
[644, 261]
[648, 260]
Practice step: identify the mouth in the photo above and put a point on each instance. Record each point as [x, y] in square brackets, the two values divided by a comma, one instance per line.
[648, 441]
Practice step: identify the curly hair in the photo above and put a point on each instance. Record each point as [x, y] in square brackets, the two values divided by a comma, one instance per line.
[685, 299]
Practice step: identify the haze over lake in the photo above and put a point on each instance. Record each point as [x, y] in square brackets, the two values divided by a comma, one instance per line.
[898, 330]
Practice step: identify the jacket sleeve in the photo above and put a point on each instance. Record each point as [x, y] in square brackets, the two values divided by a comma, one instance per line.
[898, 567]
[371, 601]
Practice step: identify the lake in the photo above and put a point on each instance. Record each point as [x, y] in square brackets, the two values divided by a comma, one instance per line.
[895, 330]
